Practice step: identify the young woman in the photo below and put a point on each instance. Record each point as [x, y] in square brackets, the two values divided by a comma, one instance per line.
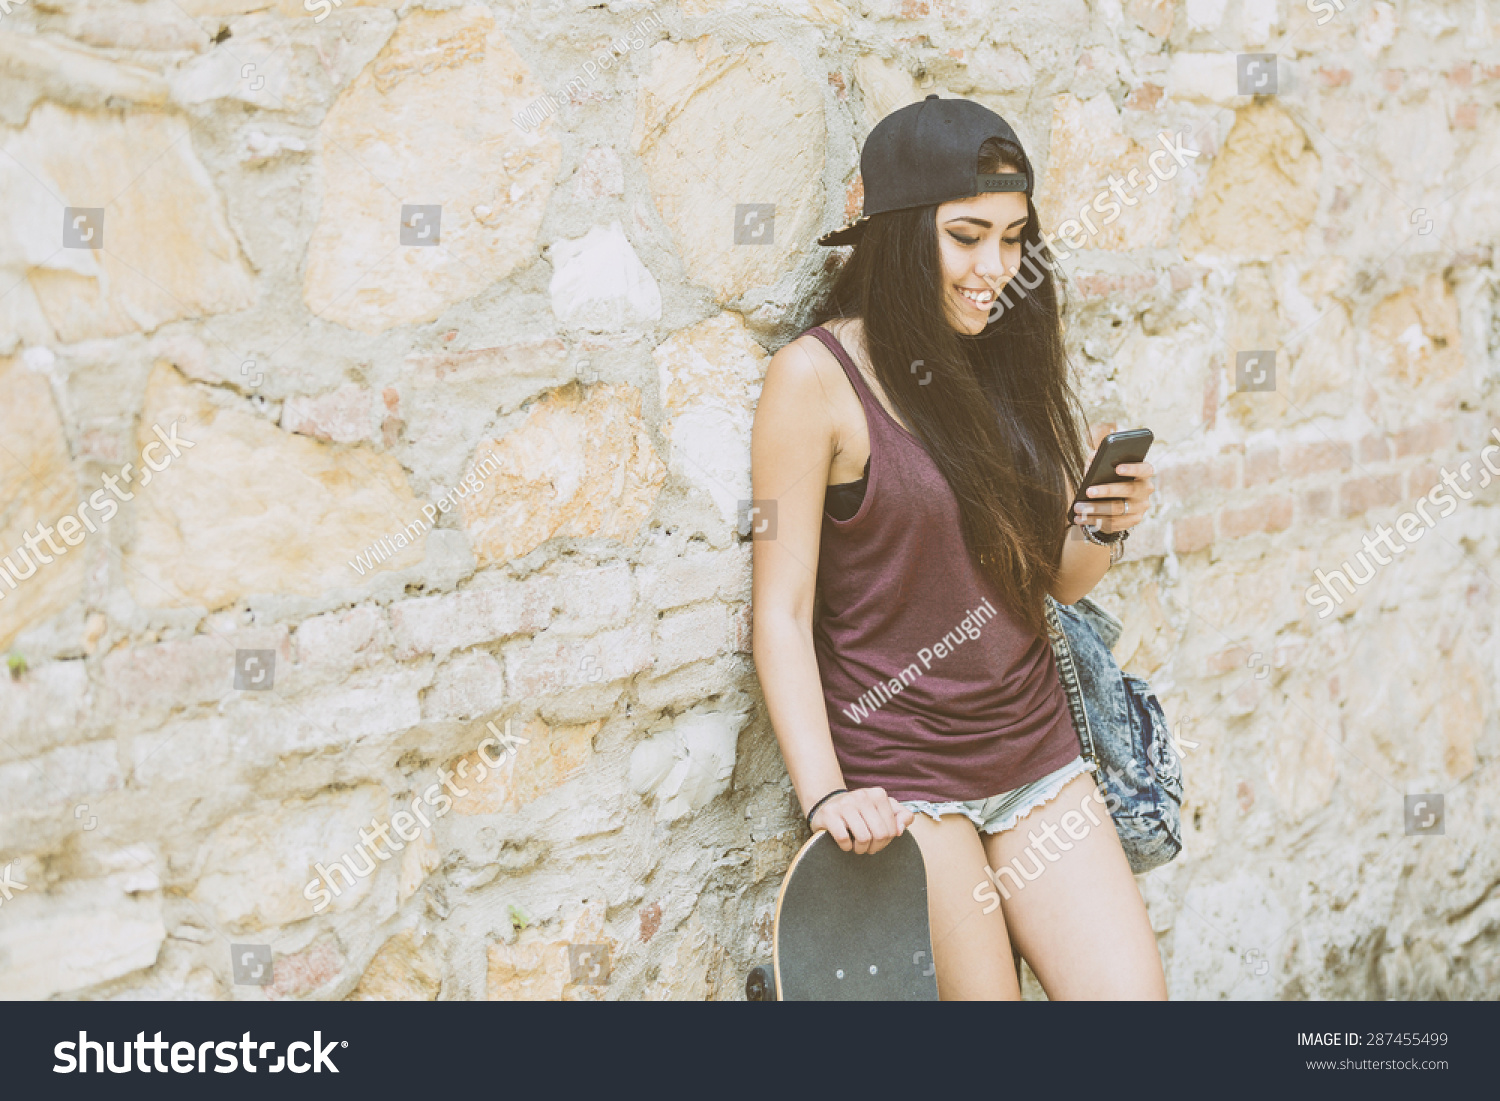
[921, 445]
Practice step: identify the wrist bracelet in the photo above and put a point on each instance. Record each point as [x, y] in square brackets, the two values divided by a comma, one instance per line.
[1104, 539]
[820, 802]
[1114, 540]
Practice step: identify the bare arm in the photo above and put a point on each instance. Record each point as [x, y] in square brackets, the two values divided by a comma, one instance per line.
[791, 450]
[1084, 565]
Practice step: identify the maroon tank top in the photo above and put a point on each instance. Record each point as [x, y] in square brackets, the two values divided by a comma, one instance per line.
[934, 690]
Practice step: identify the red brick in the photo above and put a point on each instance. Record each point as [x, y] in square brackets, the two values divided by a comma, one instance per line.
[305, 971]
[1278, 514]
[1192, 534]
[1420, 479]
[1431, 476]
[650, 921]
[1270, 515]
[1359, 495]
[1240, 522]
[1315, 504]
[1262, 465]
[1144, 98]
[1374, 449]
[1423, 439]
[1312, 458]
[1101, 284]
[1244, 795]
[1187, 480]
[1185, 275]
[1226, 661]
[743, 624]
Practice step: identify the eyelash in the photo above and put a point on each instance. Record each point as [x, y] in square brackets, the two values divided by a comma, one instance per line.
[975, 240]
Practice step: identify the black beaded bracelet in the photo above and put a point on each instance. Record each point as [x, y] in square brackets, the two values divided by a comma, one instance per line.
[820, 802]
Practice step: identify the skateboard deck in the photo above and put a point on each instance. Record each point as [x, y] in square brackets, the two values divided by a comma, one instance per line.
[853, 927]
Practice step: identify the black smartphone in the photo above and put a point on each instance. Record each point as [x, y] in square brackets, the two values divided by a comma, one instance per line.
[1118, 447]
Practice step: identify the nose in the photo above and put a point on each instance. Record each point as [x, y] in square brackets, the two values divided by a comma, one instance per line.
[990, 263]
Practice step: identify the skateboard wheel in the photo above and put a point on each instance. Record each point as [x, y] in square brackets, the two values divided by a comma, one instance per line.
[760, 985]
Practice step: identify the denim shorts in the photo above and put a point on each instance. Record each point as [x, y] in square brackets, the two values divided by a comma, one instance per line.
[1000, 812]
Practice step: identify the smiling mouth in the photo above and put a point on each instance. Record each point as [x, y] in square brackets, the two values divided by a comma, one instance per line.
[980, 300]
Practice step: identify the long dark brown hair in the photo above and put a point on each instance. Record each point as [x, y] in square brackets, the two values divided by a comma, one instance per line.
[999, 415]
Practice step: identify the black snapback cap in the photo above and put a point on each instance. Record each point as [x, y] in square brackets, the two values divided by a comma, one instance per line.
[924, 154]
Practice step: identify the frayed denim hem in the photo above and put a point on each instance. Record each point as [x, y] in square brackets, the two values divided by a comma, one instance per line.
[935, 811]
[1054, 785]
[1003, 811]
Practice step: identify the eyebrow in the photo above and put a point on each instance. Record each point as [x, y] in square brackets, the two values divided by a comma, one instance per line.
[982, 224]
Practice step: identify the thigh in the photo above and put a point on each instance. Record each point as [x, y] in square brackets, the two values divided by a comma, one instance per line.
[1071, 905]
[969, 946]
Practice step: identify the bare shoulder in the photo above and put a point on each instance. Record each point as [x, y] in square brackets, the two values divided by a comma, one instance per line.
[803, 370]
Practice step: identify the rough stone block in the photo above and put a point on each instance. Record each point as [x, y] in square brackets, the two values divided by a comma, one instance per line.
[465, 688]
[686, 767]
[82, 932]
[547, 664]
[441, 624]
[694, 634]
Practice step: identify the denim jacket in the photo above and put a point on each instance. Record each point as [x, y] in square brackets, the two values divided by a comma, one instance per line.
[1123, 733]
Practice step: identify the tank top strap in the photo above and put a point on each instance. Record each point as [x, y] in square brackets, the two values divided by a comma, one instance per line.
[875, 414]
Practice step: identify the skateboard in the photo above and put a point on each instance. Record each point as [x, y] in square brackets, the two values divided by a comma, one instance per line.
[850, 928]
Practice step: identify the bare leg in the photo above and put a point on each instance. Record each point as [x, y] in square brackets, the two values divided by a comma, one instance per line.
[1077, 916]
[970, 947]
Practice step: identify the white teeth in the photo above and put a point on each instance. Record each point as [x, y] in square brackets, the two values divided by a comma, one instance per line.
[979, 298]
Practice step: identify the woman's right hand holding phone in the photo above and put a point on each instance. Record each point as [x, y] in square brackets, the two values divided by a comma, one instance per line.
[865, 820]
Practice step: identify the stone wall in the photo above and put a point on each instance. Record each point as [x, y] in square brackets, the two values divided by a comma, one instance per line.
[452, 504]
